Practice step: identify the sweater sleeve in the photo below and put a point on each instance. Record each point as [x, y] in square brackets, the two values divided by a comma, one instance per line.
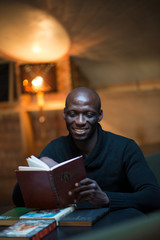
[17, 196]
[145, 195]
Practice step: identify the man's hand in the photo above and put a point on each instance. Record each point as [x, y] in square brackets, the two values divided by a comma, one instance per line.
[88, 190]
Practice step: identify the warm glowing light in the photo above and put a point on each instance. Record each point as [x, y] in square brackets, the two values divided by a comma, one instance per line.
[36, 35]
[36, 49]
[37, 81]
[25, 82]
[40, 99]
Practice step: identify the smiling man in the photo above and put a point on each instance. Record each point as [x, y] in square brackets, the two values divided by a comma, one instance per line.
[82, 113]
[117, 173]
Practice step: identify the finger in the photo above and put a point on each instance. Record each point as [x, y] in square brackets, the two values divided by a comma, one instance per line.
[86, 181]
[80, 189]
[83, 188]
[85, 196]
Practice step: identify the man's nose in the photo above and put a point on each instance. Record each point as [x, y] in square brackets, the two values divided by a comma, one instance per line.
[80, 119]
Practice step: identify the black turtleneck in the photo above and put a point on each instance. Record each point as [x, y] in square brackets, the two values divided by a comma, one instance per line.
[118, 166]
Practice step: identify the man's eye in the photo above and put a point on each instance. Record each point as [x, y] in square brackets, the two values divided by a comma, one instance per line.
[71, 114]
[89, 115]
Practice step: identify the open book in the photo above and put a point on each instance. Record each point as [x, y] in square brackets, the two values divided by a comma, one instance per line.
[36, 164]
[47, 188]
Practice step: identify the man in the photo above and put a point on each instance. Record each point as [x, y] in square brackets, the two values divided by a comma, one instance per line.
[117, 173]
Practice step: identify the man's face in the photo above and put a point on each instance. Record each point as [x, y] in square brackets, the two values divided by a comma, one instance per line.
[81, 116]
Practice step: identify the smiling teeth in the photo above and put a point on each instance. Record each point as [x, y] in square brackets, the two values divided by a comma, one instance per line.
[79, 130]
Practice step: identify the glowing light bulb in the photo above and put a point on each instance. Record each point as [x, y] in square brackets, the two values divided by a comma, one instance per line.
[37, 81]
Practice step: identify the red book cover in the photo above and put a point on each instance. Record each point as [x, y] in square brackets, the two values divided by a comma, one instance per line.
[49, 189]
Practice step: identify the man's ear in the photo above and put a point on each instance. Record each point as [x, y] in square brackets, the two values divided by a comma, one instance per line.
[64, 113]
[100, 115]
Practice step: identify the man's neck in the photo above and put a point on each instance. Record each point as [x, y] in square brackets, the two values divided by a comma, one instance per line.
[87, 146]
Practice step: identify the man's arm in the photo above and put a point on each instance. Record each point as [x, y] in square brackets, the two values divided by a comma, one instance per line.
[144, 193]
[17, 197]
[146, 200]
[49, 161]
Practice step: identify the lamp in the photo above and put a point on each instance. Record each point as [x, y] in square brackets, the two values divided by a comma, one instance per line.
[38, 79]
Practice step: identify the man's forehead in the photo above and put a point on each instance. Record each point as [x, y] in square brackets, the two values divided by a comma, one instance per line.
[82, 104]
[83, 97]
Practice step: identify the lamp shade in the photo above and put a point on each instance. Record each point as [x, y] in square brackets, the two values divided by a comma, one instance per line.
[31, 35]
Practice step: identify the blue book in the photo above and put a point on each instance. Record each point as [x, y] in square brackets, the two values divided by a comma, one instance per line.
[83, 217]
[55, 214]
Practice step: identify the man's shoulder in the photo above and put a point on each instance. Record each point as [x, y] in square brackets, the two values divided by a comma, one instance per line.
[119, 142]
[117, 138]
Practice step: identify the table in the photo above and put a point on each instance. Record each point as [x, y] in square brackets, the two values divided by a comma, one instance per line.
[109, 220]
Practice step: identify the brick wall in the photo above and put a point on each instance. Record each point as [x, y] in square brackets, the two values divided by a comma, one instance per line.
[53, 127]
[11, 154]
[11, 147]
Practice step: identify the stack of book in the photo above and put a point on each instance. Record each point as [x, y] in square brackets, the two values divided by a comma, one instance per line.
[21, 213]
[69, 216]
[33, 224]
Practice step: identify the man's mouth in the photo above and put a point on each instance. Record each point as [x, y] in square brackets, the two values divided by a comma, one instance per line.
[79, 130]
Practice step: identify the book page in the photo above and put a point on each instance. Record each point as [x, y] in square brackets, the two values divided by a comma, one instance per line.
[26, 168]
[35, 162]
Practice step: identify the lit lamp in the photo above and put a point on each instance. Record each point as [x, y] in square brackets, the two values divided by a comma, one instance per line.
[38, 79]
[37, 84]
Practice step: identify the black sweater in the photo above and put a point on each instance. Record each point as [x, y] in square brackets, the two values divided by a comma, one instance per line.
[118, 166]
